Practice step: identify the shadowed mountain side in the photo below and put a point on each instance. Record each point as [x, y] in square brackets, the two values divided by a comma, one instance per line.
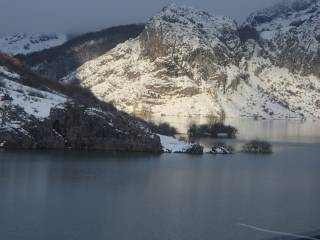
[38, 113]
[57, 62]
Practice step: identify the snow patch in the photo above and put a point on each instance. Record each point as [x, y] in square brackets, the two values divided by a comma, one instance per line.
[173, 145]
[7, 73]
[34, 102]
[28, 43]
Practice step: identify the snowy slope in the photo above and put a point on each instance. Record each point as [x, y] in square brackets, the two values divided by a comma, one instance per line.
[165, 74]
[290, 34]
[188, 62]
[173, 145]
[144, 91]
[21, 107]
[31, 118]
[27, 43]
[33, 101]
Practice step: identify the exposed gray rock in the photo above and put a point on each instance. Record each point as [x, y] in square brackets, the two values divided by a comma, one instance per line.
[196, 149]
[93, 129]
[76, 127]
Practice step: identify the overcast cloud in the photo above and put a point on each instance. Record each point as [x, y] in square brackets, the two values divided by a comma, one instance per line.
[91, 15]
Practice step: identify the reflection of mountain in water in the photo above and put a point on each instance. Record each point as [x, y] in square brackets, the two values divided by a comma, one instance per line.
[271, 130]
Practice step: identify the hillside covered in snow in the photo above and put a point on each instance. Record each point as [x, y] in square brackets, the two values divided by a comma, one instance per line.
[37, 113]
[24, 43]
[189, 62]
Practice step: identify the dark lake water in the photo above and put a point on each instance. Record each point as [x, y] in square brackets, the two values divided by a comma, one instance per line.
[102, 196]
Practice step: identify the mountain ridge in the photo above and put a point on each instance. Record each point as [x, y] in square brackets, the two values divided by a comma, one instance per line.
[23, 43]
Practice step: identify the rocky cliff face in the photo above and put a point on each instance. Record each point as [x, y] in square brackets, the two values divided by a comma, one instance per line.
[188, 62]
[177, 61]
[86, 128]
[75, 127]
[188, 35]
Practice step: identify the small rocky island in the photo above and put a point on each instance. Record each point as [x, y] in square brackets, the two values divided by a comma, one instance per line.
[257, 147]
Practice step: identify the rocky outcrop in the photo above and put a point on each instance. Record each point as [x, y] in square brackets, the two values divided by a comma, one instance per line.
[192, 41]
[93, 129]
[196, 149]
[76, 127]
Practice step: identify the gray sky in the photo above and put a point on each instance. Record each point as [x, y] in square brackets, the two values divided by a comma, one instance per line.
[91, 15]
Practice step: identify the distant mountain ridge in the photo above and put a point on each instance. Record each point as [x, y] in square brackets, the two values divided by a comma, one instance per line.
[23, 43]
[59, 61]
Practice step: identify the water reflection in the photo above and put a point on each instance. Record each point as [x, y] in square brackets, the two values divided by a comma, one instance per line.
[271, 130]
[82, 196]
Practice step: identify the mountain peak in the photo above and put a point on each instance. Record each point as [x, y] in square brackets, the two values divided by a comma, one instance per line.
[190, 29]
[175, 14]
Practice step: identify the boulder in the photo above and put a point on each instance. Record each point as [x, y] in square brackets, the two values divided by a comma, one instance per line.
[195, 149]
[257, 147]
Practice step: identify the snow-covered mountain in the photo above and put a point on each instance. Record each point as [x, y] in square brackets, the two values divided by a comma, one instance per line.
[188, 62]
[24, 43]
[170, 68]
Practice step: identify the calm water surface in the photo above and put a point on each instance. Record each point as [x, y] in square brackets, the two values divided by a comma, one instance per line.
[95, 196]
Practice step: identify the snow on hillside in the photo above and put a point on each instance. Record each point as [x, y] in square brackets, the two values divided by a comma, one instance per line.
[290, 34]
[173, 145]
[187, 62]
[145, 91]
[300, 19]
[33, 101]
[27, 43]
[137, 83]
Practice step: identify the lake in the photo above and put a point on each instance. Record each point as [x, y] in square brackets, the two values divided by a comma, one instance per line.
[95, 196]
